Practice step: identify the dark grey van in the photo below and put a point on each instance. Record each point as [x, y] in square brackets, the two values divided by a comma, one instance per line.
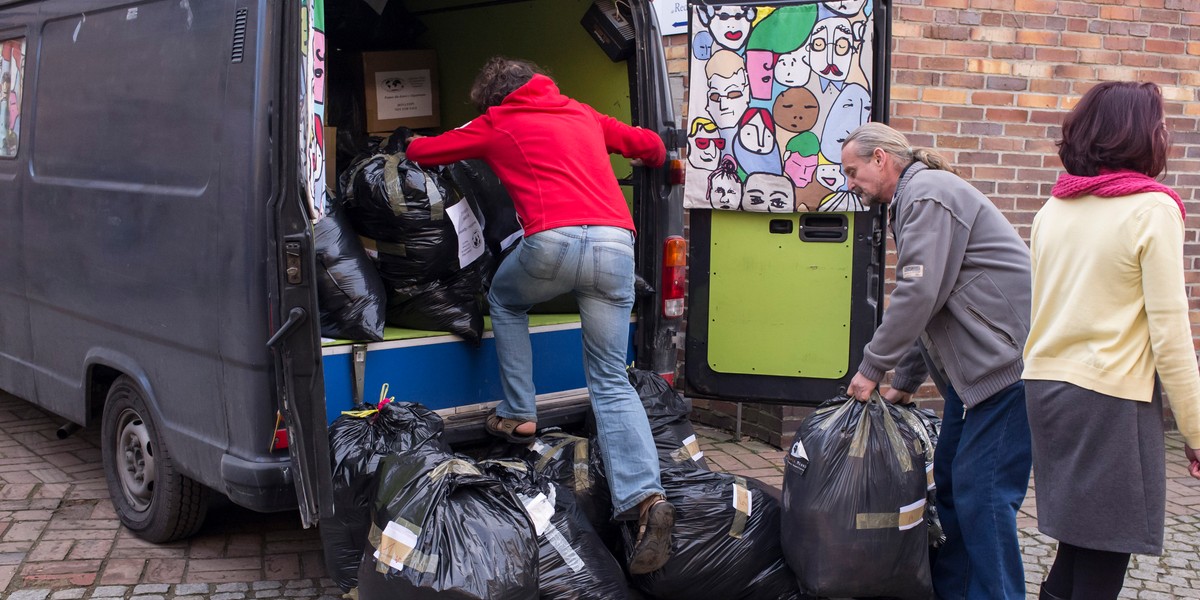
[158, 187]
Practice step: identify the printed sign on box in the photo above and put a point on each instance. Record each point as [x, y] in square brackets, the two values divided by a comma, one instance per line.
[403, 94]
[401, 90]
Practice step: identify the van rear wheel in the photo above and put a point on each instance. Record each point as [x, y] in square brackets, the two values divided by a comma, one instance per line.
[155, 501]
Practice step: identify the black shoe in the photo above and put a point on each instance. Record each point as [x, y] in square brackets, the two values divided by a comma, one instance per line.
[653, 545]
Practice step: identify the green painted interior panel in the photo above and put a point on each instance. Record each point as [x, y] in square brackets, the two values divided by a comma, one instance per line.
[396, 333]
[546, 32]
[778, 305]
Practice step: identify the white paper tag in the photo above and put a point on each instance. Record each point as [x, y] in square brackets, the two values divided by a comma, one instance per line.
[912, 515]
[798, 450]
[540, 508]
[397, 543]
[537, 447]
[693, 447]
[470, 234]
[743, 500]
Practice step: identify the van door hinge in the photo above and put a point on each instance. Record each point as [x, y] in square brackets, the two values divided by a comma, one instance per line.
[292, 249]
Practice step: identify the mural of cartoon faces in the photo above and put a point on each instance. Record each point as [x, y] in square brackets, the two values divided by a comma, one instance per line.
[796, 110]
[830, 176]
[791, 70]
[728, 88]
[755, 148]
[729, 25]
[761, 66]
[765, 133]
[850, 110]
[831, 50]
[765, 192]
[846, 8]
[800, 158]
[724, 186]
[704, 144]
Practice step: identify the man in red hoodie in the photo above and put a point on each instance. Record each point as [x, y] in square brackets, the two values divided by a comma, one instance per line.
[551, 154]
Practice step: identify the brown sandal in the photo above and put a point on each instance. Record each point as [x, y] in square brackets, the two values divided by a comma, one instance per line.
[507, 428]
[653, 545]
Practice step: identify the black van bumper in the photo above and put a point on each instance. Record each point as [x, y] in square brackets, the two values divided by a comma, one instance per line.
[261, 486]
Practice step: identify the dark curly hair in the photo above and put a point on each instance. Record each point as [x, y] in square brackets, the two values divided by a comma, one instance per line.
[1116, 125]
[500, 77]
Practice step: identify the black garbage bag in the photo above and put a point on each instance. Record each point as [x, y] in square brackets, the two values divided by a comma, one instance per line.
[445, 529]
[928, 426]
[725, 543]
[358, 441]
[350, 293]
[431, 252]
[573, 562]
[574, 463]
[854, 496]
[668, 412]
[501, 229]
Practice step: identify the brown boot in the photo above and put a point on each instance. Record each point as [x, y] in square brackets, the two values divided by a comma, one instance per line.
[653, 545]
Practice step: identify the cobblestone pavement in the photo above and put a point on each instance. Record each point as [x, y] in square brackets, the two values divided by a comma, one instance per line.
[59, 537]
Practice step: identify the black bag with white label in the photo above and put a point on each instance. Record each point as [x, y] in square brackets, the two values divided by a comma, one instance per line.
[725, 543]
[668, 413]
[446, 529]
[854, 498]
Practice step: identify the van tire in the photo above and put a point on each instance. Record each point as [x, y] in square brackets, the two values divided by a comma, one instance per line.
[155, 501]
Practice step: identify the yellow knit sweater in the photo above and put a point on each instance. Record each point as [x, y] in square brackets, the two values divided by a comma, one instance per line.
[1109, 304]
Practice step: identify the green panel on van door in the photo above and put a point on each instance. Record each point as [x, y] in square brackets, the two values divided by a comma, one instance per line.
[777, 305]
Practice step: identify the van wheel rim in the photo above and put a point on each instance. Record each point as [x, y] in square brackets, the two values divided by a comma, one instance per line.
[135, 460]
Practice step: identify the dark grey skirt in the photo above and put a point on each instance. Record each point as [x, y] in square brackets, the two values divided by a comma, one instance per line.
[1099, 467]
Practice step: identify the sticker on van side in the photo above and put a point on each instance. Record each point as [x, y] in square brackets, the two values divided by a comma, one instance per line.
[774, 91]
[12, 70]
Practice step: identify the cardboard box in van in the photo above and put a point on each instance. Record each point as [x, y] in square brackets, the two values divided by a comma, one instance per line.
[401, 89]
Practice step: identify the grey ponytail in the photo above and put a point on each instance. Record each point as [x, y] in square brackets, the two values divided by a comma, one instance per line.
[877, 135]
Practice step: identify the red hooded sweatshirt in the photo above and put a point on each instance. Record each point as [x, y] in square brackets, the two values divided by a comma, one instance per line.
[551, 154]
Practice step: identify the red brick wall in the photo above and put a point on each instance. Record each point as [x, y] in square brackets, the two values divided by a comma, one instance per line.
[987, 83]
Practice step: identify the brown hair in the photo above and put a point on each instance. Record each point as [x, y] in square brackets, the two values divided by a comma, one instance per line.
[500, 77]
[1117, 125]
[877, 135]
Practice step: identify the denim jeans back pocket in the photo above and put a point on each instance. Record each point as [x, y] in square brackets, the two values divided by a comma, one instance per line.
[613, 268]
[542, 256]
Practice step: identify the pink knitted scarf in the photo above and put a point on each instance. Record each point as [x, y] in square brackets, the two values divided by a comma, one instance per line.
[1111, 184]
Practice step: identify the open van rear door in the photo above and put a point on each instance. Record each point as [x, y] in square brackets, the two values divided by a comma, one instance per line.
[786, 265]
[295, 342]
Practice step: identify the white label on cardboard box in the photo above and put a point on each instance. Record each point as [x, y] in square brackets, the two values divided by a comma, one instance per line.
[403, 94]
[470, 234]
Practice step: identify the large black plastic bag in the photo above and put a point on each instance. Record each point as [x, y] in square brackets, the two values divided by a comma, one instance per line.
[358, 441]
[928, 426]
[444, 529]
[501, 228]
[573, 562]
[574, 463]
[350, 293]
[725, 543]
[668, 412]
[432, 256]
[854, 502]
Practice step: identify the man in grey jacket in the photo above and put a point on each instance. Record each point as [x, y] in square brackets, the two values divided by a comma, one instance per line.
[960, 309]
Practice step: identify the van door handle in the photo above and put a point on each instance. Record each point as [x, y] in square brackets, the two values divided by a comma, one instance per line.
[296, 316]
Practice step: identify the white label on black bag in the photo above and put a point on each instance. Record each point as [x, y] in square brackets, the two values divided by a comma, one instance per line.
[540, 508]
[470, 234]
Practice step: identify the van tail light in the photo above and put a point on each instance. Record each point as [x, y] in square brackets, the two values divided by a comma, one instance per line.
[279, 441]
[676, 176]
[674, 283]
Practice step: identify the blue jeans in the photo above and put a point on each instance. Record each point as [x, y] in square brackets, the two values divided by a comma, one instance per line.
[981, 469]
[596, 264]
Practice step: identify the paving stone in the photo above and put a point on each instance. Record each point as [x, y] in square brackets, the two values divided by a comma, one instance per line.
[186, 589]
[232, 587]
[229, 596]
[109, 591]
[29, 595]
[71, 594]
[266, 585]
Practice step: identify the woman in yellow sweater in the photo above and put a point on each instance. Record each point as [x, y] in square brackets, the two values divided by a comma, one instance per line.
[1110, 313]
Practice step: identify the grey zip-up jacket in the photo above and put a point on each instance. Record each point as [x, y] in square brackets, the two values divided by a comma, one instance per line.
[962, 290]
